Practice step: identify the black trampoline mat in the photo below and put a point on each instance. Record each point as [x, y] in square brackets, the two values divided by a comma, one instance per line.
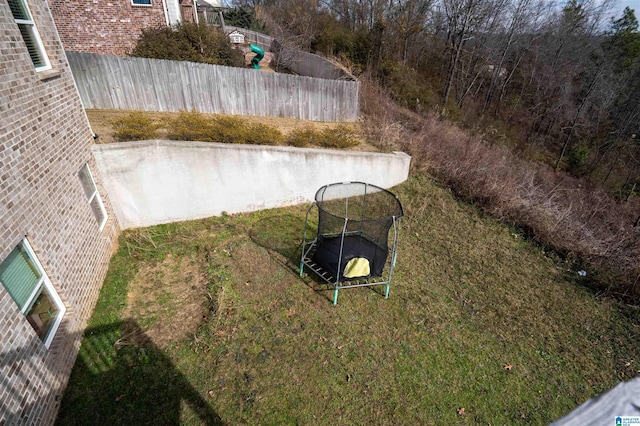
[327, 254]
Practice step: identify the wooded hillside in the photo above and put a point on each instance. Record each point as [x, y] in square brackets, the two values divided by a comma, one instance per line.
[524, 107]
[560, 83]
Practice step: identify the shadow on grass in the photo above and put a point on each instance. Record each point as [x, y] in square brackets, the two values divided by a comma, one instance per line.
[283, 234]
[121, 377]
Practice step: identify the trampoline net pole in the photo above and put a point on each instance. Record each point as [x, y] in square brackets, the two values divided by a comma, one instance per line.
[394, 252]
[346, 205]
[364, 207]
[344, 229]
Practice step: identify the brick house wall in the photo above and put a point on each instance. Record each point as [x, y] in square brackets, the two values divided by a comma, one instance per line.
[109, 28]
[45, 141]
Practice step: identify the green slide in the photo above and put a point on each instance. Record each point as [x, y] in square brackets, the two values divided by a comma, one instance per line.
[255, 61]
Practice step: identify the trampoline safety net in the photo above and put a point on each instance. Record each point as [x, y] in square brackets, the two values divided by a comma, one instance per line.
[353, 240]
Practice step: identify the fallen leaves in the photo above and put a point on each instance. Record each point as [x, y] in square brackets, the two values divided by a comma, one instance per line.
[508, 367]
[461, 411]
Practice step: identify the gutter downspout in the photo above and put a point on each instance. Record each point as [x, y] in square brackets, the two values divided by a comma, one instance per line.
[195, 12]
[166, 12]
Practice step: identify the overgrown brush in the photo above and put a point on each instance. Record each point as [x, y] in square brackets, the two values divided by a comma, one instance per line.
[572, 216]
[407, 87]
[135, 127]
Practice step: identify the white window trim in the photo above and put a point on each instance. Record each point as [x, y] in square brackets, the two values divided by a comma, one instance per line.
[133, 3]
[96, 195]
[36, 34]
[46, 283]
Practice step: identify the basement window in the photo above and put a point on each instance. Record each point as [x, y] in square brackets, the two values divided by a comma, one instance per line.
[141, 2]
[30, 35]
[91, 191]
[23, 277]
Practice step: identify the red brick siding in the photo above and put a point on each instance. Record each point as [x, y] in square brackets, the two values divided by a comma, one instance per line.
[44, 141]
[106, 27]
[186, 9]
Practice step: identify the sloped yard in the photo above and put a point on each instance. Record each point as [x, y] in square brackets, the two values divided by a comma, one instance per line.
[207, 322]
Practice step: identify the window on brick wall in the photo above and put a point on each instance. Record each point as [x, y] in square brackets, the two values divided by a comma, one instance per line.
[30, 34]
[141, 2]
[91, 191]
[23, 277]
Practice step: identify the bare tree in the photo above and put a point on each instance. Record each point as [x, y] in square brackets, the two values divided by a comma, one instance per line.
[461, 17]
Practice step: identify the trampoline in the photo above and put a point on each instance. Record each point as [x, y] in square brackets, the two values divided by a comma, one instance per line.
[353, 246]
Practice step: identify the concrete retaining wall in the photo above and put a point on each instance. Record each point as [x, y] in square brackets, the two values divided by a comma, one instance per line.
[153, 182]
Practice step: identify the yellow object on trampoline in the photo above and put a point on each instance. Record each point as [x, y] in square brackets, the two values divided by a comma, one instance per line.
[357, 267]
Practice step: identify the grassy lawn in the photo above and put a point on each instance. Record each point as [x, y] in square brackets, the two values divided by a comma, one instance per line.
[207, 322]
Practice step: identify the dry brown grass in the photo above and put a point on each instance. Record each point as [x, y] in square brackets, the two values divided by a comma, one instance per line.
[166, 300]
[573, 216]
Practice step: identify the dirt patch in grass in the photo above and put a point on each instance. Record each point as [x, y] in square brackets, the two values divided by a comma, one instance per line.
[101, 124]
[166, 300]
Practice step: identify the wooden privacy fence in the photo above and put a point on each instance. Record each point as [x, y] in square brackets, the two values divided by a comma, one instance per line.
[301, 63]
[309, 64]
[112, 82]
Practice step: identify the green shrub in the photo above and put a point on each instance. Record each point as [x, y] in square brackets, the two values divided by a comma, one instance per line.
[193, 126]
[262, 134]
[190, 126]
[227, 129]
[163, 43]
[340, 137]
[302, 137]
[188, 42]
[135, 127]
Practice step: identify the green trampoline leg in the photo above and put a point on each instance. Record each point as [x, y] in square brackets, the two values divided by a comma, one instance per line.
[335, 296]
[386, 293]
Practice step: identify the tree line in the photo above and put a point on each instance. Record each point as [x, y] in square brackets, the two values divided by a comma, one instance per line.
[561, 83]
